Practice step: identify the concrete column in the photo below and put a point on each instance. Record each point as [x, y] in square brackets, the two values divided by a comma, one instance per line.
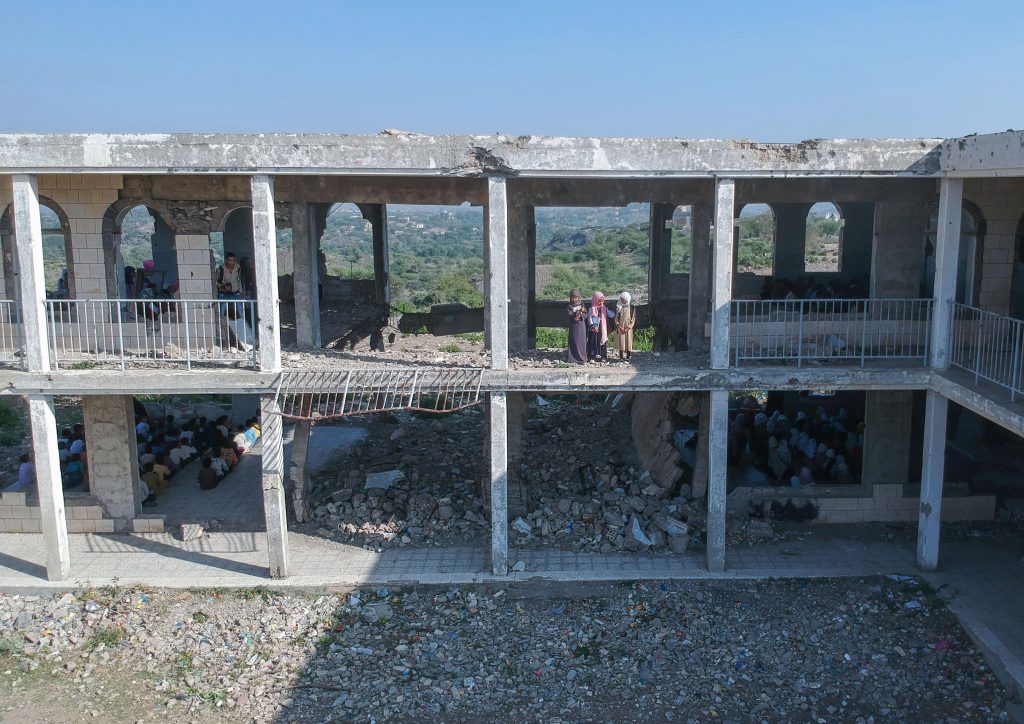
[496, 309]
[298, 470]
[660, 240]
[378, 218]
[718, 454]
[517, 412]
[28, 238]
[897, 254]
[113, 456]
[699, 483]
[887, 421]
[273, 486]
[790, 239]
[49, 486]
[264, 233]
[700, 276]
[947, 258]
[522, 264]
[499, 482]
[932, 473]
[306, 273]
[857, 231]
[725, 203]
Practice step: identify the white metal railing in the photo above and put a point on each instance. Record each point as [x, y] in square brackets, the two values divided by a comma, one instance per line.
[167, 331]
[833, 329]
[12, 345]
[990, 346]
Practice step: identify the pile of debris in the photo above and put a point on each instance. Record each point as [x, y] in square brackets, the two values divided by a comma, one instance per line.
[414, 480]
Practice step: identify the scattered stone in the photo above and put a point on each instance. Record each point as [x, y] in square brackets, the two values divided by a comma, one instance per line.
[191, 531]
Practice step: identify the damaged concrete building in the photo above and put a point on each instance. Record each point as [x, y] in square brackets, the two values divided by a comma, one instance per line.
[935, 226]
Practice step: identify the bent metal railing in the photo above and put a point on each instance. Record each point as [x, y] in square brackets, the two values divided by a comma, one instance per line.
[327, 394]
[165, 331]
[830, 329]
[12, 345]
[990, 346]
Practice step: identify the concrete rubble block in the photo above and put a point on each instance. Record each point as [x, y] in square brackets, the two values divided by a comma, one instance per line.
[190, 531]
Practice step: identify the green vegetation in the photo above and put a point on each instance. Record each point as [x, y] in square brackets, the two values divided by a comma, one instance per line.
[13, 427]
[452, 348]
[552, 338]
[108, 637]
[822, 243]
[756, 247]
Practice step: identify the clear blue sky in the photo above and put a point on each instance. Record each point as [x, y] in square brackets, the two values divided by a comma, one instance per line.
[772, 71]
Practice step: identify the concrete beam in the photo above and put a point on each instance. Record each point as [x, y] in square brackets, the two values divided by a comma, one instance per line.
[932, 475]
[947, 258]
[43, 423]
[597, 379]
[721, 288]
[264, 234]
[272, 453]
[991, 402]
[498, 411]
[306, 271]
[718, 460]
[497, 271]
[400, 153]
[28, 236]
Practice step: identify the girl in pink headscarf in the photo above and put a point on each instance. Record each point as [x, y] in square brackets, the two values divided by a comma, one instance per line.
[597, 328]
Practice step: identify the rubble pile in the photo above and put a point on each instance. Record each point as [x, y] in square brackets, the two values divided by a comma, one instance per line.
[882, 648]
[430, 466]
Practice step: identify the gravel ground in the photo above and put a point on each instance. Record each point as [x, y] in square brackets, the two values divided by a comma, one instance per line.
[875, 649]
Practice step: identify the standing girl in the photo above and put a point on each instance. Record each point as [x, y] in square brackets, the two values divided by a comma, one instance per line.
[597, 328]
[577, 329]
[625, 320]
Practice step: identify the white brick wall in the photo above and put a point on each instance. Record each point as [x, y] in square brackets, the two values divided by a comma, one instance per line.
[195, 273]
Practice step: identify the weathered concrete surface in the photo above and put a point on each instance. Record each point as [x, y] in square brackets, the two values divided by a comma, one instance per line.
[28, 235]
[272, 453]
[987, 400]
[699, 291]
[496, 272]
[718, 453]
[989, 154]
[113, 456]
[790, 237]
[897, 256]
[410, 153]
[498, 438]
[306, 270]
[298, 470]
[43, 424]
[583, 379]
[522, 273]
[887, 422]
[721, 287]
[264, 232]
[947, 256]
[932, 475]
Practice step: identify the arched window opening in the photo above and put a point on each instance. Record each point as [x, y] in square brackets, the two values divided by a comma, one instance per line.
[146, 253]
[58, 255]
[823, 240]
[755, 240]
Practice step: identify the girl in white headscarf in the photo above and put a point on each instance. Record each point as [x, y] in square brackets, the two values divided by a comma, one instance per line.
[625, 320]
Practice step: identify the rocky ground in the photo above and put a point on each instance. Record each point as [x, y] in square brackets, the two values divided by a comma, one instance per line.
[581, 488]
[877, 649]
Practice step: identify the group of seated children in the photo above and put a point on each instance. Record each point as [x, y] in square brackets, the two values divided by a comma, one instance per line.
[164, 449]
[71, 451]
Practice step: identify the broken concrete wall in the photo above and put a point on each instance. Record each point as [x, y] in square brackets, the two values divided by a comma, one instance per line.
[652, 417]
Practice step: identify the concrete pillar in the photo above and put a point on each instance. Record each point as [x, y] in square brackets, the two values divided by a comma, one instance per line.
[660, 244]
[298, 470]
[897, 253]
[517, 412]
[243, 407]
[499, 482]
[49, 485]
[856, 235]
[888, 416]
[932, 473]
[790, 239]
[273, 486]
[113, 456]
[947, 258]
[718, 459]
[264, 232]
[28, 238]
[522, 284]
[378, 218]
[306, 271]
[699, 484]
[496, 309]
[700, 276]
[725, 212]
